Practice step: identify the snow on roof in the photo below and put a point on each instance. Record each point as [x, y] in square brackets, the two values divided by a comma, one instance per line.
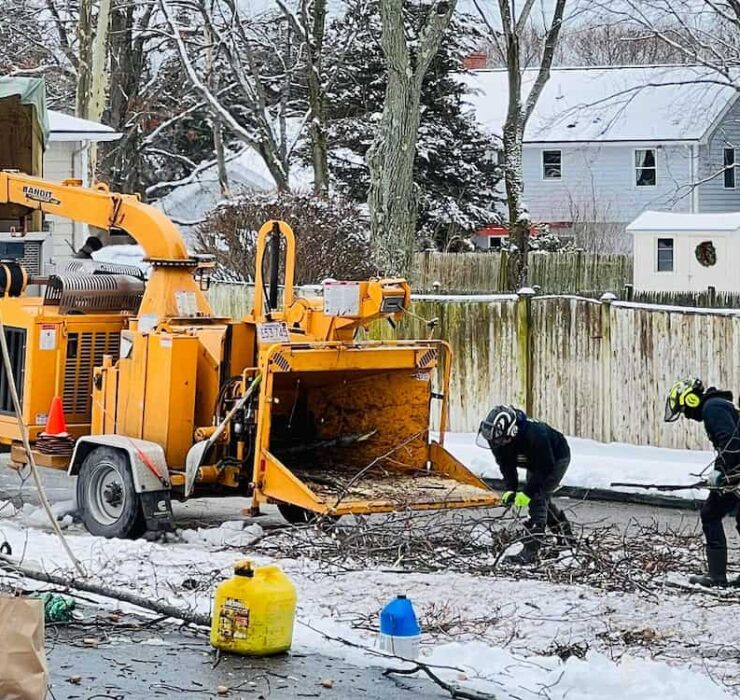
[189, 203]
[650, 221]
[634, 103]
[64, 127]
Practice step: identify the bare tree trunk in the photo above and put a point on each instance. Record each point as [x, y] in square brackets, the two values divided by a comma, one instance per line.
[311, 28]
[316, 96]
[84, 58]
[218, 144]
[519, 221]
[391, 198]
[100, 79]
[513, 156]
[509, 39]
[215, 122]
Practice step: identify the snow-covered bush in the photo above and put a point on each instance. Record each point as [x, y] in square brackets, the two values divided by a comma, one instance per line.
[545, 241]
[331, 235]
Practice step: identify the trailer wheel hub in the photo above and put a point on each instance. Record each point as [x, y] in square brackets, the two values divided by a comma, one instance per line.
[113, 494]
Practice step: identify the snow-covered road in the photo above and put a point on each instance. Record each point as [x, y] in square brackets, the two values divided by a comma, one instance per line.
[496, 633]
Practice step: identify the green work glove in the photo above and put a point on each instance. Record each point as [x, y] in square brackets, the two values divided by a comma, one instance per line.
[717, 479]
[519, 499]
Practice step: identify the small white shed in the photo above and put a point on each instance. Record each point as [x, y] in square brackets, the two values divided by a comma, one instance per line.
[686, 252]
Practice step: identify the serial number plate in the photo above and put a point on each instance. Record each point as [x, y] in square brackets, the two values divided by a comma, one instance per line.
[275, 332]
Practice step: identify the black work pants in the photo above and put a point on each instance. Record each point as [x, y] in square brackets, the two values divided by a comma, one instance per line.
[717, 506]
[542, 511]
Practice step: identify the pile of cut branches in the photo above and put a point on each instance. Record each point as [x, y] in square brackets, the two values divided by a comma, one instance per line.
[609, 557]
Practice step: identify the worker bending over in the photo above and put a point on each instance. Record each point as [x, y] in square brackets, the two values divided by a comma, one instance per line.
[518, 441]
[721, 420]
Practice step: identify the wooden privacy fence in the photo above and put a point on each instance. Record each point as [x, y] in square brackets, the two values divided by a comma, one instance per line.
[708, 298]
[572, 272]
[594, 369]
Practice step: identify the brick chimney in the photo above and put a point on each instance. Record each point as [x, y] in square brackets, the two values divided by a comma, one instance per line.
[477, 60]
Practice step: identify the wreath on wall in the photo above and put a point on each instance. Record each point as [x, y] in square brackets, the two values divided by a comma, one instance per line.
[706, 254]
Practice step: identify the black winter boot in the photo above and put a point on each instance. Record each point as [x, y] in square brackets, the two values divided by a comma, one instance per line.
[564, 532]
[531, 549]
[717, 564]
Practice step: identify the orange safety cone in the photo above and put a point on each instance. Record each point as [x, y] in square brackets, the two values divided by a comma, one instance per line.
[55, 441]
[55, 424]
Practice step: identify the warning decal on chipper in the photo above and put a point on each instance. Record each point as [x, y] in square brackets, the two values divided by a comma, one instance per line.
[37, 194]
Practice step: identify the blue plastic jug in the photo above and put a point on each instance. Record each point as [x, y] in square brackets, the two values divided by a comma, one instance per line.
[399, 629]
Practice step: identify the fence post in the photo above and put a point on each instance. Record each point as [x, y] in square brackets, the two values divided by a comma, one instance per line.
[503, 271]
[712, 295]
[524, 347]
[606, 366]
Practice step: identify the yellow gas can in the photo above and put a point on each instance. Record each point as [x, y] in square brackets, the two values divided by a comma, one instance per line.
[253, 611]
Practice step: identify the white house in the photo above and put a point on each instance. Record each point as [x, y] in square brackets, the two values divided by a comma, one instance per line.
[677, 252]
[605, 144]
[65, 157]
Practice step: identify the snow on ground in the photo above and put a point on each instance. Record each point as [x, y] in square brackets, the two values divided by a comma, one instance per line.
[501, 634]
[597, 465]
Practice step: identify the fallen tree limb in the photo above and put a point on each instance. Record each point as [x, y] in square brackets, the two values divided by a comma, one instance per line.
[66, 582]
[451, 689]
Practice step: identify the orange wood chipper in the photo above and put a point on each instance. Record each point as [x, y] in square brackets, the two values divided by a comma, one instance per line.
[163, 398]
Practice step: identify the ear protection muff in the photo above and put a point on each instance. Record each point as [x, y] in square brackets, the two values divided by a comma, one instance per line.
[513, 430]
[691, 399]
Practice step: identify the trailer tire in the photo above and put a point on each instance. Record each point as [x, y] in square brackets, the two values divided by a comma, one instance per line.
[296, 515]
[106, 497]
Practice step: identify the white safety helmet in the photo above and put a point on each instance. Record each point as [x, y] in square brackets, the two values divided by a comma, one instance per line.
[499, 428]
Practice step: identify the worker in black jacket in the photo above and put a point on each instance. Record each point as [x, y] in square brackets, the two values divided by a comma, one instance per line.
[721, 420]
[518, 441]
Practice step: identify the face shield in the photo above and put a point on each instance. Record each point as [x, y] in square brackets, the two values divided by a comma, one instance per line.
[492, 435]
[485, 435]
[672, 411]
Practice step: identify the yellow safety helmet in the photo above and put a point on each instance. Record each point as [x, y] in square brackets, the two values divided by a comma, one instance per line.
[682, 395]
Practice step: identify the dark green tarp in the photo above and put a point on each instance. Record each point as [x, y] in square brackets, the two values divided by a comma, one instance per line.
[31, 92]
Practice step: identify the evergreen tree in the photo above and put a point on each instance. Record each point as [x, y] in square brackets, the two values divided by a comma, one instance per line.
[455, 170]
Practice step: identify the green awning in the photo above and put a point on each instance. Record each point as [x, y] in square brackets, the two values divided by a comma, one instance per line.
[31, 91]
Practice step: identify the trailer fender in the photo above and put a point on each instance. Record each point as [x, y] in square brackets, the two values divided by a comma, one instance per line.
[146, 459]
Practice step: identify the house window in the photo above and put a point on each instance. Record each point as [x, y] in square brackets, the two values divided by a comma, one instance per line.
[552, 165]
[665, 255]
[12, 251]
[494, 242]
[730, 168]
[646, 171]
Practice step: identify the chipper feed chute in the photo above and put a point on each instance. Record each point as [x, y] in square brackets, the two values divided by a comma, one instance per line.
[345, 429]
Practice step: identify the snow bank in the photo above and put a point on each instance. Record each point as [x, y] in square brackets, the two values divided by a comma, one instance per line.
[597, 465]
[496, 670]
